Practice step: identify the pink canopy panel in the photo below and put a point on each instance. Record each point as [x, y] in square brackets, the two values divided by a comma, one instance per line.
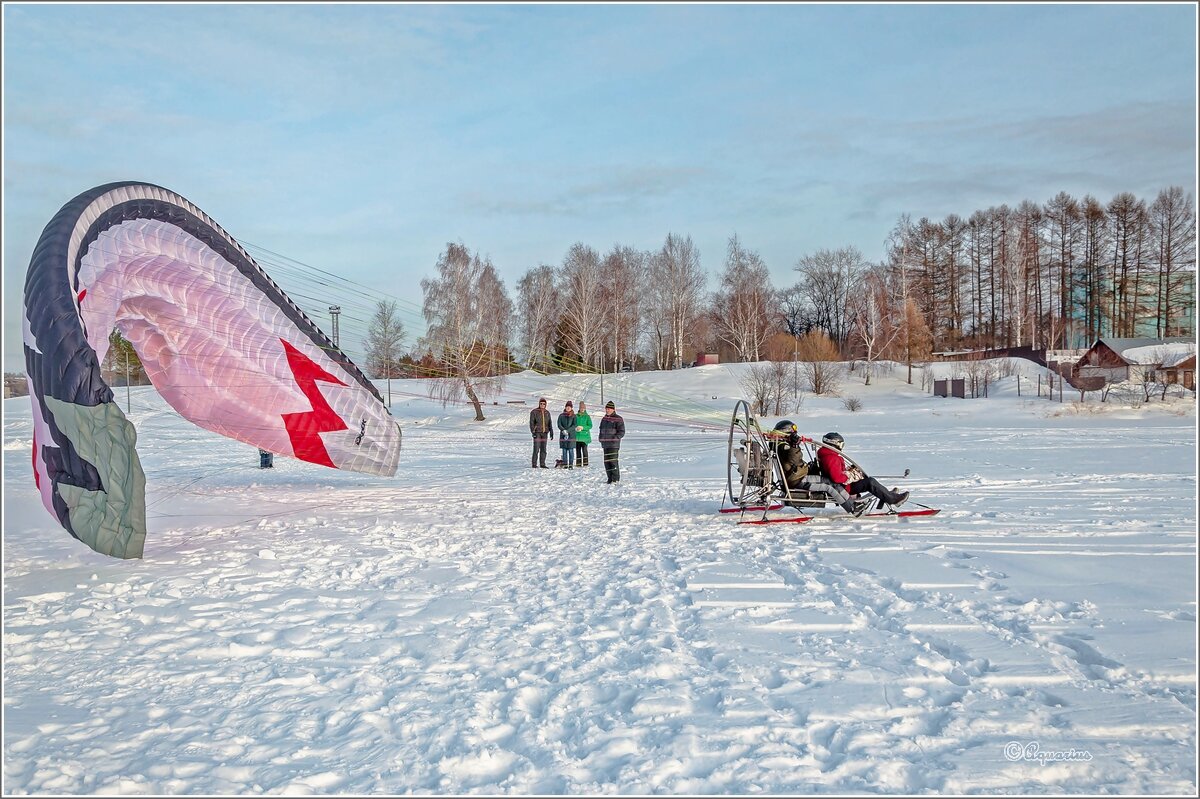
[217, 337]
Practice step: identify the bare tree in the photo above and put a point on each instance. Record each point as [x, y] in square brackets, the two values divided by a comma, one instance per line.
[828, 279]
[538, 315]
[980, 373]
[1090, 279]
[1128, 216]
[468, 315]
[761, 388]
[621, 303]
[1064, 223]
[1024, 272]
[954, 236]
[580, 287]
[794, 312]
[676, 289]
[875, 325]
[742, 309]
[786, 386]
[385, 335]
[1173, 222]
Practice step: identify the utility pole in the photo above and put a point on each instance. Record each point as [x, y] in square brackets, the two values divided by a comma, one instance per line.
[334, 310]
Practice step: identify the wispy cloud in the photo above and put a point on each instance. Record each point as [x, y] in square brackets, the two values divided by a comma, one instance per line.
[627, 188]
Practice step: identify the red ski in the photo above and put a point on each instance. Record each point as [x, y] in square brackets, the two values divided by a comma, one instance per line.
[789, 520]
[847, 517]
[883, 514]
[922, 512]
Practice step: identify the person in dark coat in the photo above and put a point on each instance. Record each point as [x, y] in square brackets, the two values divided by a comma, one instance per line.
[833, 466]
[540, 427]
[785, 440]
[566, 435]
[612, 430]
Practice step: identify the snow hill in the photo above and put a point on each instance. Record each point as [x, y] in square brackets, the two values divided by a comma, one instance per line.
[473, 626]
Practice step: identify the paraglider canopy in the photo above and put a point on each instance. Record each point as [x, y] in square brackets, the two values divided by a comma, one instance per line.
[218, 338]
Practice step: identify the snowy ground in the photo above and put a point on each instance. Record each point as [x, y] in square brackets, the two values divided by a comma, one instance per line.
[475, 626]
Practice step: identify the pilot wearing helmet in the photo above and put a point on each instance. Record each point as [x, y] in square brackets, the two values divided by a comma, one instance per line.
[786, 441]
[834, 466]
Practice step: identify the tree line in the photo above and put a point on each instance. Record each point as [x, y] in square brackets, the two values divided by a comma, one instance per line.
[1055, 275]
[1052, 275]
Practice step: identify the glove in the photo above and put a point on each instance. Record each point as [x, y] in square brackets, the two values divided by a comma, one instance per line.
[578, 428]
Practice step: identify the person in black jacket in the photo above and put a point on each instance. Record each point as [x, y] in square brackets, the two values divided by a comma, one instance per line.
[566, 435]
[540, 427]
[612, 430]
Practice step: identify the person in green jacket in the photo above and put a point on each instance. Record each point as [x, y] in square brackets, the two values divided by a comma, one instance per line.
[583, 434]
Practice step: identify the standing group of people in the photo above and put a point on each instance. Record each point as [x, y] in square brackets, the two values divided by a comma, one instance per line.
[574, 435]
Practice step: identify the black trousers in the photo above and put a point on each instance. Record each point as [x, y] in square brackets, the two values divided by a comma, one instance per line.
[611, 467]
[539, 451]
[581, 453]
[870, 485]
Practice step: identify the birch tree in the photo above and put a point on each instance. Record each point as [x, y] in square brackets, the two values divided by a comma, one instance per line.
[468, 315]
[580, 288]
[622, 306]
[742, 309]
[875, 327]
[676, 289]
[538, 316]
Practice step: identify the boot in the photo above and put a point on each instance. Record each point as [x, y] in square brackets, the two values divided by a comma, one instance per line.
[898, 499]
[855, 507]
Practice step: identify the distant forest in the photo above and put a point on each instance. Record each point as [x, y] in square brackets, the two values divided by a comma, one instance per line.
[1055, 275]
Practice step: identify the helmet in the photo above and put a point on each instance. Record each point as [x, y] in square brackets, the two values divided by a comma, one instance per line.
[834, 440]
[786, 430]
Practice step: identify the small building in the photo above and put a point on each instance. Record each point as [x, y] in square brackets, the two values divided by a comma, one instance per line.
[706, 359]
[1140, 360]
[1181, 370]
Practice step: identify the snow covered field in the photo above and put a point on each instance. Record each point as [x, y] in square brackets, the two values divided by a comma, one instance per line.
[475, 626]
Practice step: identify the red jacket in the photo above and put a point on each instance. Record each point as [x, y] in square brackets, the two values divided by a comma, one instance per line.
[832, 465]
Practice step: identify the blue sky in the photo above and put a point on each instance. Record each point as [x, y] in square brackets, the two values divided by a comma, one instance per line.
[361, 139]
